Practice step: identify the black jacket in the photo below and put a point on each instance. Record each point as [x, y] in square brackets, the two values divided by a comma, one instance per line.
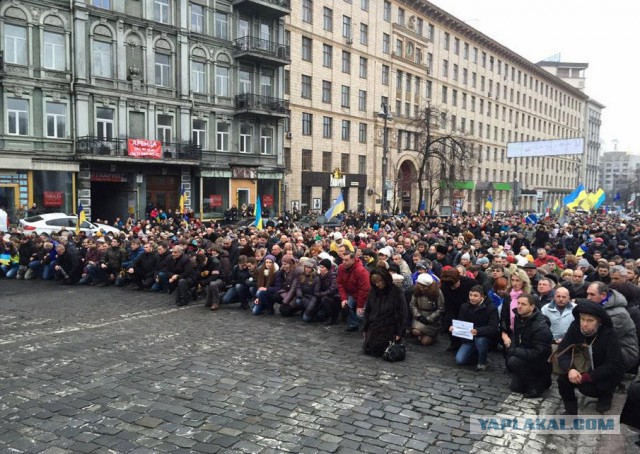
[386, 308]
[531, 340]
[484, 318]
[183, 267]
[145, 264]
[70, 263]
[165, 262]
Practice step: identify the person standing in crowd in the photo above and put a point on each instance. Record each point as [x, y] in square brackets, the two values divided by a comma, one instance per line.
[559, 313]
[592, 326]
[353, 287]
[484, 316]
[427, 308]
[528, 349]
[385, 313]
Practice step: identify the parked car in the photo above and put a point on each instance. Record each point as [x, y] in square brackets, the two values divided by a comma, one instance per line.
[54, 222]
[318, 221]
[245, 223]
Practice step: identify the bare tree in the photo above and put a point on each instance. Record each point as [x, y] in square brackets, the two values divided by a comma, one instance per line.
[444, 155]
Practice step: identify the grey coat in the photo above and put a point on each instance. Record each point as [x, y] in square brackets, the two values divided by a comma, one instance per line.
[624, 327]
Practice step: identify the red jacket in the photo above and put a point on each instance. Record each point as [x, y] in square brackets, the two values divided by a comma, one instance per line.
[549, 258]
[354, 282]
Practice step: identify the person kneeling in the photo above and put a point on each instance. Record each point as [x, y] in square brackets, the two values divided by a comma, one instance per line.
[592, 326]
[484, 316]
[427, 307]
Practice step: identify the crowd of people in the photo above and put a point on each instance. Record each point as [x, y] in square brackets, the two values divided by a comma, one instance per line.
[528, 290]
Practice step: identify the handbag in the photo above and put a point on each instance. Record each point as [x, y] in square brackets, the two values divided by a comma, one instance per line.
[575, 356]
[395, 351]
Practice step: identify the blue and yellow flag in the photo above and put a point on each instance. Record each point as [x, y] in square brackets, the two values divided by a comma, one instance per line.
[556, 206]
[336, 208]
[598, 198]
[258, 214]
[183, 199]
[489, 205]
[573, 200]
[81, 217]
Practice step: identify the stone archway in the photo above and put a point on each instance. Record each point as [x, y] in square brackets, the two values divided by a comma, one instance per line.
[407, 188]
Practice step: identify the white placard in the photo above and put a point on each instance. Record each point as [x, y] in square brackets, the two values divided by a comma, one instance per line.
[462, 329]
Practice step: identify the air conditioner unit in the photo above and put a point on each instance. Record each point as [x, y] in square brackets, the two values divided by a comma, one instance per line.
[289, 135]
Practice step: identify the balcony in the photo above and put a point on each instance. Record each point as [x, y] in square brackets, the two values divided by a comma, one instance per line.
[262, 51]
[250, 104]
[268, 8]
[90, 147]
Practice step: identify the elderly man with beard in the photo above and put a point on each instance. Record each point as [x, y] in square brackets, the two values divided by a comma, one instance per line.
[592, 326]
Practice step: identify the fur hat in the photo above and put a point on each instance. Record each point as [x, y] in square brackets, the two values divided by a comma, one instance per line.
[310, 263]
[441, 248]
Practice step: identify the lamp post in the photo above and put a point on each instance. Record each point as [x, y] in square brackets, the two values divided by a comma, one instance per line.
[386, 116]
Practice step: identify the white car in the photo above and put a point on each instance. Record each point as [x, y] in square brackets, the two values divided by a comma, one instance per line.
[54, 222]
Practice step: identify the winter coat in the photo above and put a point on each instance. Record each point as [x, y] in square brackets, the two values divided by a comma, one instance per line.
[165, 261]
[145, 264]
[133, 255]
[183, 267]
[607, 365]
[433, 311]
[286, 283]
[484, 317]
[113, 258]
[385, 312]
[455, 298]
[354, 282]
[329, 285]
[70, 263]
[307, 290]
[560, 321]
[623, 326]
[531, 339]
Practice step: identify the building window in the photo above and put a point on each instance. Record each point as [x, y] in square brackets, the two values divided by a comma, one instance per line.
[344, 162]
[386, 43]
[306, 160]
[104, 123]
[245, 138]
[364, 34]
[17, 117]
[266, 83]
[326, 161]
[197, 18]
[327, 19]
[104, 4]
[199, 133]
[307, 11]
[456, 46]
[447, 41]
[222, 136]
[306, 48]
[399, 46]
[161, 11]
[307, 124]
[362, 100]
[102, 59]
[197, 77]
[362, 165]
[385, 75]
[386, 12]
[163, 70]
[222, 25]
[165, 128]
[15, 45]
[344, 96]
[346, 130]
[306, 87]
[346, 26]
[444, 95]
[327, 127]
[362, 133]
[363, 67]
[56, 120]
[326, 91]
[222, 81]
[400, 16]
[346, 62]
[364, 5]
[445, 68]
[327, 56]
[266, 141]
[54, 52]
[244, 82]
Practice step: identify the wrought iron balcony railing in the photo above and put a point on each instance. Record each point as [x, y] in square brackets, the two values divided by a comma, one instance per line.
[268, 104]
[102, 147]
[263, 47]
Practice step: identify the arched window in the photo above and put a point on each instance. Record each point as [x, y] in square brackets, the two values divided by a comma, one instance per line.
[102, 52]
[163, 64]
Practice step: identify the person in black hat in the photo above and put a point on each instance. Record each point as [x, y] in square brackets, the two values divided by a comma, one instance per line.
[441, 256]
[592, 326]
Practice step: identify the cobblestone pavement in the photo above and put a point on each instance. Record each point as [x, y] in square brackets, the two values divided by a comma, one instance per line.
[114, 370]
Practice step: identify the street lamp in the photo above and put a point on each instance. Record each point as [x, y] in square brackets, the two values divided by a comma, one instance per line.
[386, 116]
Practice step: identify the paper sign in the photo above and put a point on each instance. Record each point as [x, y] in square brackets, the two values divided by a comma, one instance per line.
[462, 329]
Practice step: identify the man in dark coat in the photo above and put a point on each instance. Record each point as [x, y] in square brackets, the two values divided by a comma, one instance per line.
[455, 289]
[182, 275]
[142, 270]
[592, 326]
[68, 267]
[528, 349]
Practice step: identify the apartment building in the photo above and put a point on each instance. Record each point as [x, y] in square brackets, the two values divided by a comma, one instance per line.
[620, 173]
[126, 104]
[354, 56]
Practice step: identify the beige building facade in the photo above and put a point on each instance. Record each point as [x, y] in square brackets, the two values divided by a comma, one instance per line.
[349, 58]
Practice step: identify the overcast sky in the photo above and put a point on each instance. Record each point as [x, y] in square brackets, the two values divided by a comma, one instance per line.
[602, 34]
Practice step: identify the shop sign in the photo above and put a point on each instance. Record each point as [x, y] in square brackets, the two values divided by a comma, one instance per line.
[267, 200]
[53, 198]
[337, 179]
[109, 177]
[215, 200]
[141, 148]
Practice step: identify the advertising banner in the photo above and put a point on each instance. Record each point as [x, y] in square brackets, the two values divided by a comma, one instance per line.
[141, 148]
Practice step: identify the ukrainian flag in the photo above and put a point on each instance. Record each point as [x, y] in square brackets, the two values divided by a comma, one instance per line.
[573, 200]
[556, 206]
[489, 205]
[258, 213]
[598, 198]
[81, 218]
[183, 199]
[336, 208]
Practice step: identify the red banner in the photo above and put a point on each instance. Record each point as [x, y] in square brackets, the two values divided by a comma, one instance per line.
[53, 198]
[267, 200]
[215, 200]
[141, 148]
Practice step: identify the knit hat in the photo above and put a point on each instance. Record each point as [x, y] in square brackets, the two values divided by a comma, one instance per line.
[465, 257]
[270, 257]
[288, 259]
[310, 263]
[583, 263]
[424, 279]
[422, 265]
[482, 261]
[385, 251]
[326, 263]
[524, 252]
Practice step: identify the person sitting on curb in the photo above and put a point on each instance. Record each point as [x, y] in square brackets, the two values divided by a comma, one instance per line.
[592, 326]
